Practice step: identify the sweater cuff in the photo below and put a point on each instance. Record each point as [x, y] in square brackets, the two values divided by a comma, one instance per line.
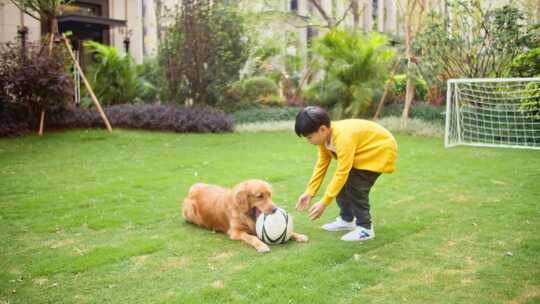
[312, 193]
[327, 200]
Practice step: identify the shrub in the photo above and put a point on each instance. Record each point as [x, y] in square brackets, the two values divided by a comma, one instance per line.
[31, 80]
[527, 64]
[531, 105]
[264, 114]
[259, 86]
[233, 97]
[415, 126]
[147, 117]
[421, 111]
[258, 90]
[13, 119]
[271, 100]
[399, 88]
[150, 76]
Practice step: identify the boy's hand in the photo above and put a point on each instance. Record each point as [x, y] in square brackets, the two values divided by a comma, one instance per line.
[316, 211]
[303, 202]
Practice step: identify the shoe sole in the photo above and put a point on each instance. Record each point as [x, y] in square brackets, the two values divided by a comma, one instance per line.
[362, 240]
[340, 229]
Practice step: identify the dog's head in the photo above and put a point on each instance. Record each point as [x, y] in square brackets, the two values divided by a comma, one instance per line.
[253, 197]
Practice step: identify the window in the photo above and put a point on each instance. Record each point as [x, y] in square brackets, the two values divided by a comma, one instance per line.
[312, 33]
[294, 5]
[375, 13]
[85, 9]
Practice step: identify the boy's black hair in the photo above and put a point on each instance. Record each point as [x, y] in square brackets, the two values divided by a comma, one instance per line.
[310, 119]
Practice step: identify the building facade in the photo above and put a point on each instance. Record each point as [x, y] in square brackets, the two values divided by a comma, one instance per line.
[124, 24]
[130, 25]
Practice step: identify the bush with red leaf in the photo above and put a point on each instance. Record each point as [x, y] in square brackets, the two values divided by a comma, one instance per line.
[31, 81]
[144, 116]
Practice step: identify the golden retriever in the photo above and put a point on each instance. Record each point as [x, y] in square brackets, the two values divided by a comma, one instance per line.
[232, 211]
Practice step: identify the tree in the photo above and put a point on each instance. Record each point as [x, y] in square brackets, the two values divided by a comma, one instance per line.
[45, 11]
[474, 42]
[413, 20]
[334, 19]
[203, 51]
[280, 59]
[318, 17]
[294, 64]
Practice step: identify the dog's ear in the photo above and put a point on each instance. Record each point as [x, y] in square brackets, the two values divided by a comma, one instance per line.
[241, 198]
[269, 187]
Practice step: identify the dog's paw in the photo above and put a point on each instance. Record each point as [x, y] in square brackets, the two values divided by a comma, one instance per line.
[263, 249]
[302, 238]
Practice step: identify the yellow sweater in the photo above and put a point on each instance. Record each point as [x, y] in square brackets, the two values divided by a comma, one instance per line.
[360, 144]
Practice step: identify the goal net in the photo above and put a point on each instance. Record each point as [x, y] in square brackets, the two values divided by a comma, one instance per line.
[493, 112]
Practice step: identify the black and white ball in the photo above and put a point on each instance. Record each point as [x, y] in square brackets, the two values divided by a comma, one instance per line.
[274, 228]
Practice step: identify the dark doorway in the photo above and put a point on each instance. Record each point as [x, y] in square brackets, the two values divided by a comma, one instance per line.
[87, 20]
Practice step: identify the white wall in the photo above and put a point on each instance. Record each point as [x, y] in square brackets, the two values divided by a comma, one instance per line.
[10, 22]
[150, 39]
[117, 10]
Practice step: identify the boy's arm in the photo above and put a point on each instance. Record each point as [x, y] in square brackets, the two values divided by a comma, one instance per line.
[319, 172]
[345, 158]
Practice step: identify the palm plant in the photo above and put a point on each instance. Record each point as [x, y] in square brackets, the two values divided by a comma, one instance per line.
[354, 65]
[114, 76]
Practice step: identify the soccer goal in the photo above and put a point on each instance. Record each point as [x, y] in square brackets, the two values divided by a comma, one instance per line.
[493, 112]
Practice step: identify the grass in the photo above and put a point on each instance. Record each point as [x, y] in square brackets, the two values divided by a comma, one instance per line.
[280, 125]
[88, 217]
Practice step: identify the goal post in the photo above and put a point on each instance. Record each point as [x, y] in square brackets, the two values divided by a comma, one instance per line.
[493, 112]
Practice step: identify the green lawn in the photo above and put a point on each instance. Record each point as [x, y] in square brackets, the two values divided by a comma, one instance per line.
[88, 217]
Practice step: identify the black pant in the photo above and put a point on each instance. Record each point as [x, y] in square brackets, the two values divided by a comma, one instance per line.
[353, 199]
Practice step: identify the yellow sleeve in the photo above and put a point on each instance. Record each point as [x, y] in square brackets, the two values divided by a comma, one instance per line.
[319, 172]
[345, 149]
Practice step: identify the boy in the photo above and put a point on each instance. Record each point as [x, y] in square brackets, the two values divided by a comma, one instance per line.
[363, 150]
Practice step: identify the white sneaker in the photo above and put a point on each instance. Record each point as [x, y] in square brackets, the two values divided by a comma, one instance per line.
[359, 234]
[339, 225]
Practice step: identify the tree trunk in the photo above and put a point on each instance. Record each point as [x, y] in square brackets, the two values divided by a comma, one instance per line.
[55, 25]
[158, 10]
[380, 106]
[23, 35]
[329, 20]
[356, 14]
[408, 102]
[52, 24]
[410, 84]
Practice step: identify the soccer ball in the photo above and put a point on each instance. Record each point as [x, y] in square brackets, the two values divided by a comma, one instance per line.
[274, 228]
